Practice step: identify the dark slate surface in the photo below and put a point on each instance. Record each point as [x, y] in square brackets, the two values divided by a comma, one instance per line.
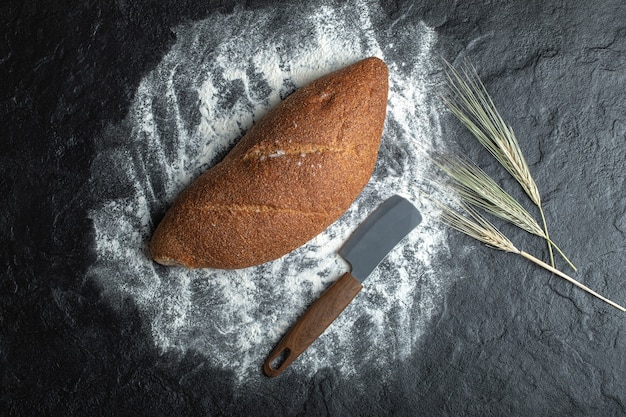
[507, 338]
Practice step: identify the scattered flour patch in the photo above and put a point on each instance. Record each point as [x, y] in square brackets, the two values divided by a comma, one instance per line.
[223, 74]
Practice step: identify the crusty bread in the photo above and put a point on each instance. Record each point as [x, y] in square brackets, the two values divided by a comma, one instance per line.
[292, 175]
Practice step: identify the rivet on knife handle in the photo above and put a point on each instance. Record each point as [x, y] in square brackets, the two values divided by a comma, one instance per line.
[312, 324]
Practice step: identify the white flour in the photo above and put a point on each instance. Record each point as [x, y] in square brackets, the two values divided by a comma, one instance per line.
[220, 76]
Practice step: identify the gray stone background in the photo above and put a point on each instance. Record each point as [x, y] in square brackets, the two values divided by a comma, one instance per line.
[508, 338]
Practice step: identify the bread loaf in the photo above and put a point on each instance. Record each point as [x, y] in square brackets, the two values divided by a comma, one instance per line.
[290, 176]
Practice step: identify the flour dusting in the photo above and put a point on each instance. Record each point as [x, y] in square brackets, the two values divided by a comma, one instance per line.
[221, 76]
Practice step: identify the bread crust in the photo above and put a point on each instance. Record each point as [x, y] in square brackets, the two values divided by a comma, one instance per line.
[290, 176]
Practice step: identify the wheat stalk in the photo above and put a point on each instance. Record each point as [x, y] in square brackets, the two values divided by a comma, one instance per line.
[476, 187]
[474, 107]
[468, 221]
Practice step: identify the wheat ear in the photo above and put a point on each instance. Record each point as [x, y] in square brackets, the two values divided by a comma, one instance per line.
[474, 186]
[474, 107]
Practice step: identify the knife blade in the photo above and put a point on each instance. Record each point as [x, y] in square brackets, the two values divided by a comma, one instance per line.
[370, 243]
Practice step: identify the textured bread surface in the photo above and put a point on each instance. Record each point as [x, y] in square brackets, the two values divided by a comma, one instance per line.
[290, 176]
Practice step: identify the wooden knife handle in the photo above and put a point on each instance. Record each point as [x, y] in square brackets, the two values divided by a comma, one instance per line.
[312, 324]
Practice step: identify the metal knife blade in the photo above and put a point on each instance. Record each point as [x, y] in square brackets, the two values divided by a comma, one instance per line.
[365, 249]
[378, 235]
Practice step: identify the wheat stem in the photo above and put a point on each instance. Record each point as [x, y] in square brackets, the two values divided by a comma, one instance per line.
[569, 279]
[555, 246]
[545, 229]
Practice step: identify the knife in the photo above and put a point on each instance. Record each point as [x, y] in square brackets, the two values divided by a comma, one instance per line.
[370, 243]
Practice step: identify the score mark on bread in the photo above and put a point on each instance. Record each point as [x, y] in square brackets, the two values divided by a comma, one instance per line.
[290, 176]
